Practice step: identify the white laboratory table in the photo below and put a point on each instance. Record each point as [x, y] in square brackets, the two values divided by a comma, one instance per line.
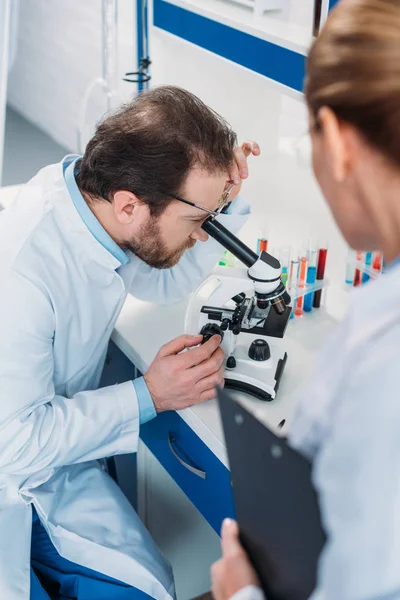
[189, 443]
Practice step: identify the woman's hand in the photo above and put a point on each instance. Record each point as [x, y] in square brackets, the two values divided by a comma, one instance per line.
[233, 571]
[240, 168]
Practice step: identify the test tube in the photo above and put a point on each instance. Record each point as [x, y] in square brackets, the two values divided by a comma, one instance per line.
[351, 258]
[262, 242]
[321, 264]
[311, 277]
[377, 263]
[357, 273]
[357, 278]
[285, 261]
[298, 311]
[368, 263]
[293, 277]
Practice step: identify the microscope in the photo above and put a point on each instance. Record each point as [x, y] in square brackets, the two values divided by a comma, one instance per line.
[237, 301]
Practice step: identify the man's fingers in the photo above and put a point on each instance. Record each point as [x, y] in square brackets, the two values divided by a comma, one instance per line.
[209, 367]
[251, 148]
[178, 344]
[230, 543]
[241, 162]
[204, 352]
[207, 395]
[209, 383]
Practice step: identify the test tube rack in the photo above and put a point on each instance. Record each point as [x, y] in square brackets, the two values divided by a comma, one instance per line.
[356, 264]
[297, 291]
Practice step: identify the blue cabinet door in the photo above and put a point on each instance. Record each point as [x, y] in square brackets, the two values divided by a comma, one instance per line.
[197, 471]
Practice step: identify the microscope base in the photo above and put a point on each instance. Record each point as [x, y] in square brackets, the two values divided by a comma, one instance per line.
[257, 379]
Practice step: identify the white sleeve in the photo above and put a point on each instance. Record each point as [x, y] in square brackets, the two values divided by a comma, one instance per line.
[357, 474]
[250, 592]
[167, 286]
[38, 427]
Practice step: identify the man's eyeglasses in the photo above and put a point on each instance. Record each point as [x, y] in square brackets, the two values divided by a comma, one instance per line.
[222, 203]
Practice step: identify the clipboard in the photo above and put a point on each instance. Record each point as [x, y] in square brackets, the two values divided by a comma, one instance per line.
[276, 504]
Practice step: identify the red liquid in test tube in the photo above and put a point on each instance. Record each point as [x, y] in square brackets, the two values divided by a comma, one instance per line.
[357, 278]
[357, 273]
[322, 255]
[377, 263]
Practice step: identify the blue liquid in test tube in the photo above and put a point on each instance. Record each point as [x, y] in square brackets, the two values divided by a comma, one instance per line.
[308, 298]
[368, 263]
[311, 278]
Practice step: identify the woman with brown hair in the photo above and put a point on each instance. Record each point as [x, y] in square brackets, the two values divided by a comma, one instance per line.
[348, 418]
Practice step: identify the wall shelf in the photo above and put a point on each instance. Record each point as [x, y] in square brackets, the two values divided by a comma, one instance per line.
[276, 27]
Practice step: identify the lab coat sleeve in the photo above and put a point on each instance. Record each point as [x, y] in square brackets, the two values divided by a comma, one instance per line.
[167, 286]
[38, 427]
[357, 475]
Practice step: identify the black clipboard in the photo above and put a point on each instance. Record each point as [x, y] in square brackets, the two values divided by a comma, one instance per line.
[276, 504]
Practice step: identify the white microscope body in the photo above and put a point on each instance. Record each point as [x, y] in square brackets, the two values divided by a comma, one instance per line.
[247, 307]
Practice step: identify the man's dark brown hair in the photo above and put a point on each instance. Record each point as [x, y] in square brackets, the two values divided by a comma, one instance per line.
[150, 145]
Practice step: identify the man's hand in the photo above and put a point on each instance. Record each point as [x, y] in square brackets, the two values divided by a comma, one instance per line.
[177, 380]
[240, 168]
[234, 571]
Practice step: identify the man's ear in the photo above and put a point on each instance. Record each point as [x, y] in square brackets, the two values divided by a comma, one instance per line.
[124, 204]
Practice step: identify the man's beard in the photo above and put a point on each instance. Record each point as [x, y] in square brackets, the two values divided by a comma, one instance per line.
[151, 248]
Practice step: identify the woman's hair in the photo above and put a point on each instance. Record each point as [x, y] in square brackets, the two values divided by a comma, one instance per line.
[354, 68]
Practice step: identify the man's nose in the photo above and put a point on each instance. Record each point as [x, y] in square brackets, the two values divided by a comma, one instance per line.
[199, 235]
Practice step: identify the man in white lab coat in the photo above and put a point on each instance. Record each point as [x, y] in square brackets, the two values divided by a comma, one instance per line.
[82, 235]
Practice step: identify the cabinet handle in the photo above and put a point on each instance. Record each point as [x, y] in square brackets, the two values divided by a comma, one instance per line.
[197, 472]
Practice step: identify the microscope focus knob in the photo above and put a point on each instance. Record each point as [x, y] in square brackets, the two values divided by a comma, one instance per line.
[225, 324]
[259, 350]
[231, 362]
[210, 329]
[236, 329]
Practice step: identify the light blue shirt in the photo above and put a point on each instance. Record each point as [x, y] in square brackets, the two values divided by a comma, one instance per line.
[147, 409]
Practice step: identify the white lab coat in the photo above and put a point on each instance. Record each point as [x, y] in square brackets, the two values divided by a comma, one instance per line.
[347, 423]
[60, 294]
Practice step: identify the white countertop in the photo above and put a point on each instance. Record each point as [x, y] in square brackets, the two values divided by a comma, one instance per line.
[144, 327]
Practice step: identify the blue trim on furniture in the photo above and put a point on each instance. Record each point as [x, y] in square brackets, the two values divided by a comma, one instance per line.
[275, 62]
[212, 496]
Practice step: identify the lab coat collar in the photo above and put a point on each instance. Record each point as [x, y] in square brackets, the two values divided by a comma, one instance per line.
[92, 224]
